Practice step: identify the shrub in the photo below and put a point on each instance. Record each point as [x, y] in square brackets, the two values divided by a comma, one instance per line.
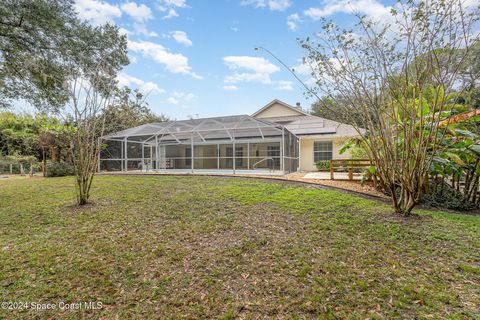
[358, 152]
[442, 195]
[59, 169]
[323, 165]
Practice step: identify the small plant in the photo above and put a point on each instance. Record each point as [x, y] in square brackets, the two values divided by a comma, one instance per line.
[323, 165]
[59, 169]
[442, 195]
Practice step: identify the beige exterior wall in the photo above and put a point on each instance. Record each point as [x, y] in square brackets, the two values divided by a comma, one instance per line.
[277, 110]
[306, 152]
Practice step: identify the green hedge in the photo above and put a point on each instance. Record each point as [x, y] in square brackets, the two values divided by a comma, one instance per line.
[59, 169]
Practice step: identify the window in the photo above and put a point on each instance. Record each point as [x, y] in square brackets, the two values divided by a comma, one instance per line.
[188, 156]
[322, 150]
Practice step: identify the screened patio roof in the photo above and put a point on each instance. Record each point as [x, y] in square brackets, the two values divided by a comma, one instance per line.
[200, 130]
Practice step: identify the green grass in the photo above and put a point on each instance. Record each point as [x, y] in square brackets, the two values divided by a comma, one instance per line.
[198, 247]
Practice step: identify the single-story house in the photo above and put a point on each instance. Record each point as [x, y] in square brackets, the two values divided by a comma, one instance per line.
[277, 139]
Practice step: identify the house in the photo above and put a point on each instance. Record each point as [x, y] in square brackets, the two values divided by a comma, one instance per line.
[319, 138]
[277, 139]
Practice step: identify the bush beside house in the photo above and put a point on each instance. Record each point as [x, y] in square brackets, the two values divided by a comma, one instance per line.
[323, 165]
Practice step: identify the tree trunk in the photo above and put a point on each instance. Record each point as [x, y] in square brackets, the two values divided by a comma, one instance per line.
[405, 203]
[44, 165]
[54, 153]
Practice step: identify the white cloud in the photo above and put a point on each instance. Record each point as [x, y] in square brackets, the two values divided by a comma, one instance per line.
[279, 5]
[140, 13]
[176, 3]
[285, 85]
[255, 3]
[309, 70]
[171, 14]
[371, 8]
[124, 31]
[303, 69]
[230, 87]
[173, 62]
[292, 21]
[470, 4]
[172, 100]
[179, 97]
[170, 7]
[183, 95]
[142, 29]
[144, 86]
[254, 69]
[97, 12]
[181, 37]
[274, 5]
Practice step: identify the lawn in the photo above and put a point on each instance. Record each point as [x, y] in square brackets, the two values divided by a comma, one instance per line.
[199, 247]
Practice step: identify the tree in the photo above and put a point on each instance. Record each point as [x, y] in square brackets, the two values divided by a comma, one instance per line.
[129, 109]
[42, 45]
[26, 137]
[91, 89]
[331, 108]
[54, 136]
[397, 81]
[17, 134]
[470, 77]
[32, 36]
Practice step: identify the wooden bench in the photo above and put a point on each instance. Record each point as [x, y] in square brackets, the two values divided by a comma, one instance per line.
[349, 165]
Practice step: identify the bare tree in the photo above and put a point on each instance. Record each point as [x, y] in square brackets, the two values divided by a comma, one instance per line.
[101, 53]
[87, 103]
[396, 80]
[45, 140]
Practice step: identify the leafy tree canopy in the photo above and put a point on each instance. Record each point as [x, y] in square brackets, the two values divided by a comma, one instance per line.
[43, 42]
[19, 133]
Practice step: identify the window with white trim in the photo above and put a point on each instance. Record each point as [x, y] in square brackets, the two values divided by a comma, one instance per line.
[322, 150]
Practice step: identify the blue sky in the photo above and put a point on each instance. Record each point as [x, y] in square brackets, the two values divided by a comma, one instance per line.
[197, 58]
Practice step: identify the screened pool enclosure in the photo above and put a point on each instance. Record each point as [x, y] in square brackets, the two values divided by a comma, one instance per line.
[233, 144]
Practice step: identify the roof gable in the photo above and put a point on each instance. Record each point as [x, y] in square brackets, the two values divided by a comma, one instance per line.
[277, 108]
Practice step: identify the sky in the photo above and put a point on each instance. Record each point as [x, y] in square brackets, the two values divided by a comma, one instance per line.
[197, 58]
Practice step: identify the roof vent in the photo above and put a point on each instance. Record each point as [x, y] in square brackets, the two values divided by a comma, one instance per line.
[298, 106]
